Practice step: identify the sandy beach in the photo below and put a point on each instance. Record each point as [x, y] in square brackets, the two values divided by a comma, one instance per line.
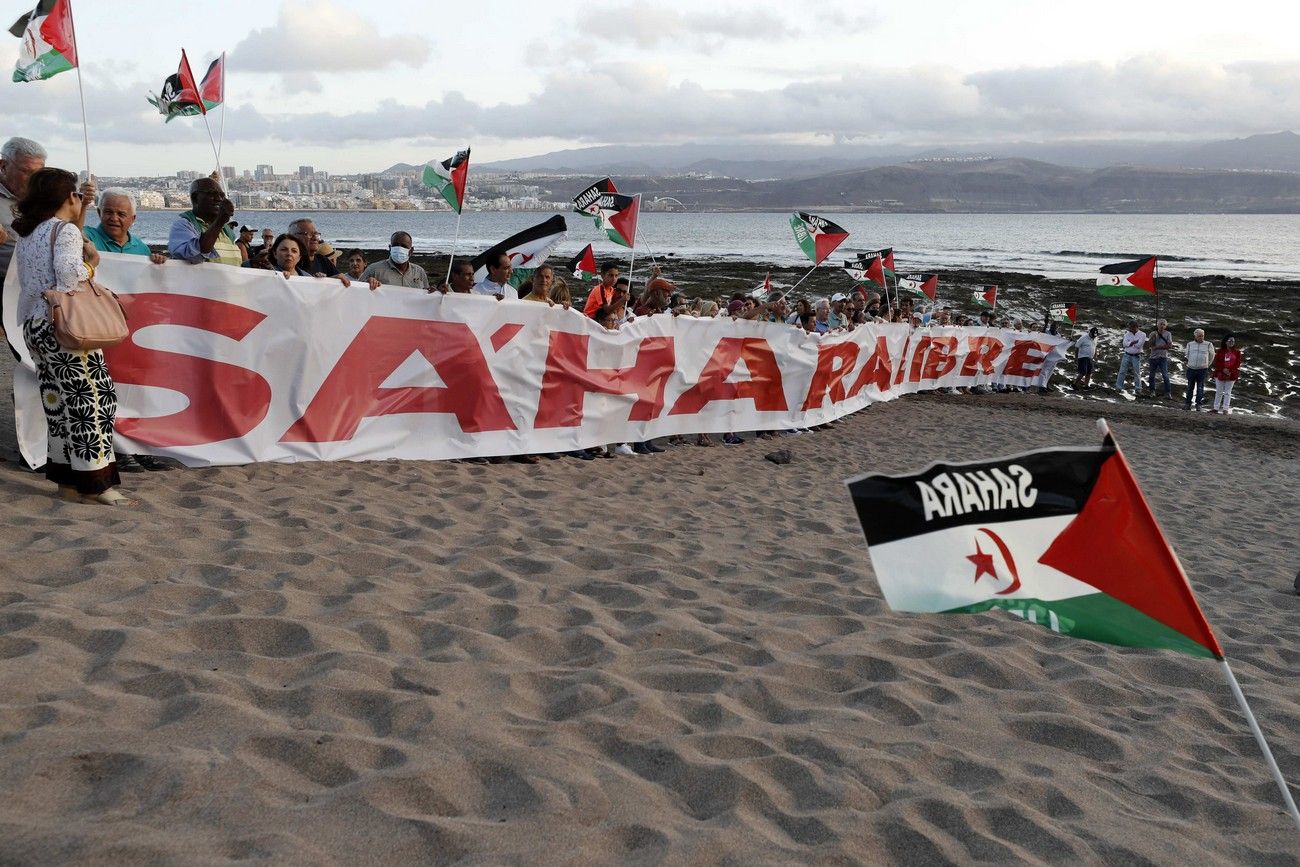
[680, 658]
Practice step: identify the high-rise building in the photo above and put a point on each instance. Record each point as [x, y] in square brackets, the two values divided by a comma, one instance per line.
[264, 173]
[228, 172]
[305, 173]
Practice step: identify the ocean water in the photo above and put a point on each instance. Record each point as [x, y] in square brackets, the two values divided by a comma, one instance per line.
[1252, 246]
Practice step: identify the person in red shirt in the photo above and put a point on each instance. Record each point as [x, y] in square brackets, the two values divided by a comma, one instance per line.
[1226, 367]
[603, 294]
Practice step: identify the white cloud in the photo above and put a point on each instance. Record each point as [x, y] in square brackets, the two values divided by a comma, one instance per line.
[648, 26]
[308, 38]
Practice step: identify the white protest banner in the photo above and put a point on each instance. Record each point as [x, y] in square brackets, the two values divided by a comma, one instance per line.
[235, 365]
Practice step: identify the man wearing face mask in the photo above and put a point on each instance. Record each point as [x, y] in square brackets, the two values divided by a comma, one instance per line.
[397, 269]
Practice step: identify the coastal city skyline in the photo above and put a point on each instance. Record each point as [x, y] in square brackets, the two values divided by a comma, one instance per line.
[330, 84]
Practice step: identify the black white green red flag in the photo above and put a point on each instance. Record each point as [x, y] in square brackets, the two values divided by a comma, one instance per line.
[527, 250]
[764, 289]
[448, 178]
[49, 41]
[618, 217]
[1061, 537]
[986, 297]
[927, 285]
[182, 96]
[886, 257]
[1064, 312]
[817, 236]
[583, 265]
[868, 268]
[1137, 277]
[588, 201]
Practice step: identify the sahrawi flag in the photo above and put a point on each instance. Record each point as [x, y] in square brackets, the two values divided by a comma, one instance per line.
[182, 96]
[527, 250]
[49, 41]
[1128, 278]
[927, 285]
[1060, 537]
[618, 217]
[986, 297]
[763, 289]
[583, 265]
[448, 178]
[868, 268]
[1062, 312]
[588, 201]
[817, 236]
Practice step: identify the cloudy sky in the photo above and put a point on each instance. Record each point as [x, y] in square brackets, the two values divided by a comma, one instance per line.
[350, 86]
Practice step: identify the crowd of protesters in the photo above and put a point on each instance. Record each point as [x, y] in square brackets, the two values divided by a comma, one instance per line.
[43, 230]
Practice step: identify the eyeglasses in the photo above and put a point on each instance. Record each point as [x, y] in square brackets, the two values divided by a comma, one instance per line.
[77, 194]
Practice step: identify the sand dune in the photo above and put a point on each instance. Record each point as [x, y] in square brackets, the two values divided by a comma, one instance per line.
[680, 658]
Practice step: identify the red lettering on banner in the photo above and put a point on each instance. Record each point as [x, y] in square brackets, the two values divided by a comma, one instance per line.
[1023, 361]
[352, 390]
[941, 358]
[877, 371]
[902, 361]
[763, 386]
[918, 358]
[225, 400]
[568, 380]
[981, 352]
[834, 363]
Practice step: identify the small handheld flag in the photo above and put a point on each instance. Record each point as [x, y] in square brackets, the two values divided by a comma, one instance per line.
[817, 236]
[763, 289]
[986, 297]
[583, 265]
[527, 250]
[49, 41]
[180, 96]
[1128, 278]
[1062, 312]
[618, 217]
[927, 285]
[588, 201]
[448, 178]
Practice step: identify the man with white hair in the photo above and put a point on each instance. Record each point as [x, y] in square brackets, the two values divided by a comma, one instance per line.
[113, 234]
[1200, 354]
[20, 158]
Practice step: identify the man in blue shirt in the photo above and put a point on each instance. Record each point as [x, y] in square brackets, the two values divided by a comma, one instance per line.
[113, 234]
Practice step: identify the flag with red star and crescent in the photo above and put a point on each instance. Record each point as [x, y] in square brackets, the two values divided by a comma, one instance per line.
[1061, 537]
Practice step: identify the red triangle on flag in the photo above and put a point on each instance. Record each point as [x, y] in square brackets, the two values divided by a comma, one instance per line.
[824, 243]
[1145, 276]
[213, 86]
[931, 286]
[991, 296]
[624, 222]
[1115, 545]
[876, 271]
[189, 87]
[58, 32]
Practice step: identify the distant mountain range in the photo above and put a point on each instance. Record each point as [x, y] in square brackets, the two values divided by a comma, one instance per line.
[1256, 174]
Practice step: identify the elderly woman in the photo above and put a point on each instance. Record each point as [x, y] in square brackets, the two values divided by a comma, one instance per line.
[76, 389]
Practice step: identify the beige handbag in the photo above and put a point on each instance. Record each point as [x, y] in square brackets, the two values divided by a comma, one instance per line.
[88, 317]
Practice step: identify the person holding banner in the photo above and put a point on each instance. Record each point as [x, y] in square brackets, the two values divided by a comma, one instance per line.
[200, 234]
[397, 269]
[77, 391]
[497, 281]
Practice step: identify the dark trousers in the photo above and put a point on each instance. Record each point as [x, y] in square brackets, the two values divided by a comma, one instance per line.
[1161, 366]
[1195, 380]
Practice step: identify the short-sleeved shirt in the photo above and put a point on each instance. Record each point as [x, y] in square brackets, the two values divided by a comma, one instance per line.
[1160, 342]
[104, 244]
[388, 274]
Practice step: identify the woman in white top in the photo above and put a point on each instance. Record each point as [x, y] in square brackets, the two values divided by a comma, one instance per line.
[76, 389]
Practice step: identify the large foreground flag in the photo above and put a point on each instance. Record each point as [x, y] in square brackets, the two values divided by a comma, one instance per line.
[618, 217]
[817, 236]
[49, 41]
[527, 250]
[1060, 537]
[1128, 278]
[986, 297]
[448, 178]
[588, 201]
[927, 285]
[583, 265]
[182, 96]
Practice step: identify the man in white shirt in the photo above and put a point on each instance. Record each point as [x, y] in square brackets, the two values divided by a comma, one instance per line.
[1200, 354]
[497, 281]
[1134, 340]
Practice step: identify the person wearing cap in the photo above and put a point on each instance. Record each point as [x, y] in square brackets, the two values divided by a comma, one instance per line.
[244, 241]
[837, 318]
[327, 250]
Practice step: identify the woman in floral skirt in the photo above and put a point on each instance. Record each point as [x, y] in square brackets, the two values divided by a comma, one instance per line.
[76, 389]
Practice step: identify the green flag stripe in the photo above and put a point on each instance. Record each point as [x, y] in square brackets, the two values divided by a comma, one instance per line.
[1126, 290]
[48, 64]
[1095, 617]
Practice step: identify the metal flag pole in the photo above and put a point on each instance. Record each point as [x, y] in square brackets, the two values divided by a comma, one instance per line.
[631, 265]
[215, 154]
[1263, 744]
[85, 129]
[221, 134]
[455, 241]
[1155, 275]
[800, 280]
